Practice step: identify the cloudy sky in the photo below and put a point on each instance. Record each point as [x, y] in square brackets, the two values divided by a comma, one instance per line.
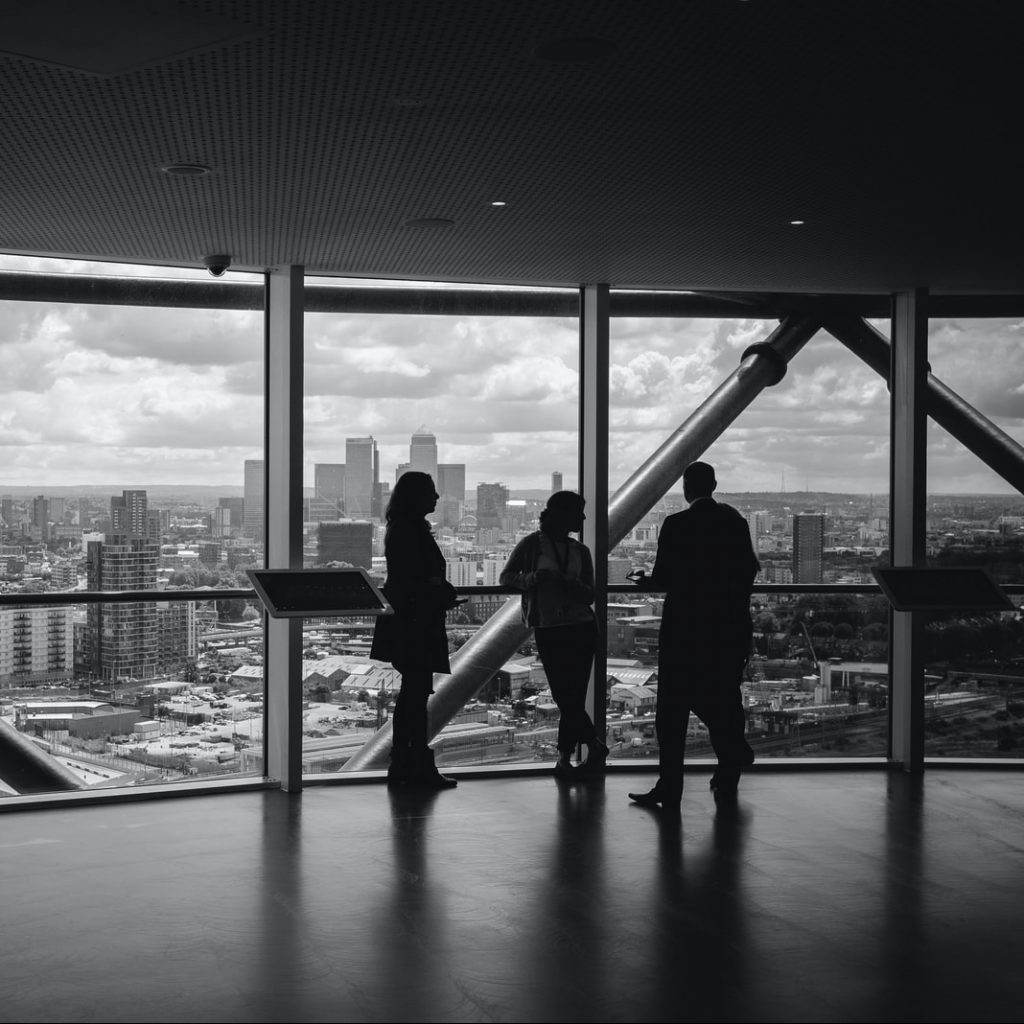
[135, 396]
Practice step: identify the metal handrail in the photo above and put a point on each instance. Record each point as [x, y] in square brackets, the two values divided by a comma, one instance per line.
[66, 597]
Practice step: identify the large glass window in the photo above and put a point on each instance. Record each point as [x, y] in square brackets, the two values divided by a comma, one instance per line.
[806, 463]
[127, 426]
[488, 406]
[974, 683]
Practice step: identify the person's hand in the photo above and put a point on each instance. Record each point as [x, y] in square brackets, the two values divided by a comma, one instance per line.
[449, 596]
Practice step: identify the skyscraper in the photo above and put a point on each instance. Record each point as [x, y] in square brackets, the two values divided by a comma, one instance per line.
[177, 635]
[451, 486]
[253, 499]
[236, 512]
[491, 505]
[121, 640]
[131, 516]
[329, 481]
[556, 481]
[40, 514]
[362, 477]
[347, 541]
[808, 547]
[451, 480]
[423, 453]
[220, 522]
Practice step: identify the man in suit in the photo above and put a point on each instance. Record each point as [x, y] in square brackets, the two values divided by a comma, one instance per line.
[707, 565]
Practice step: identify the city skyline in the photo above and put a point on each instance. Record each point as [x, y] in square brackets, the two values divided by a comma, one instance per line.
[97, 395]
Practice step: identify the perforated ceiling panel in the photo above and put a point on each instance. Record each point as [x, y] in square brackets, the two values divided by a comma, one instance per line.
[672, 150]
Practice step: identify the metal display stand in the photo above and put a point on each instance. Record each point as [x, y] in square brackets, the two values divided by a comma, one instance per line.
[919, 589]
[316, 593]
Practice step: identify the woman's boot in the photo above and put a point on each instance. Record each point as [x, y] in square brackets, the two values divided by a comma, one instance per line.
[597, 755]
[400, 769]
[424, 774]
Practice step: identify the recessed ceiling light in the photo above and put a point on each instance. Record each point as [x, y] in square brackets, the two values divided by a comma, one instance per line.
[797, 223]
[499, 202]
[186, 170]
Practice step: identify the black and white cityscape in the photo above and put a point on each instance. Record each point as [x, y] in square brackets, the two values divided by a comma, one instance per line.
[146, 692]
[132, 461]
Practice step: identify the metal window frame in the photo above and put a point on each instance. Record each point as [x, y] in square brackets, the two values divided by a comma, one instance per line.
[285, 297]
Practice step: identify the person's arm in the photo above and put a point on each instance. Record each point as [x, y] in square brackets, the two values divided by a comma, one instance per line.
[582, 588]
[661, 574]
[517, 573]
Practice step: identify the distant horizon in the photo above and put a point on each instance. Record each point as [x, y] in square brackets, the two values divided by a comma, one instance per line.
[237, 490]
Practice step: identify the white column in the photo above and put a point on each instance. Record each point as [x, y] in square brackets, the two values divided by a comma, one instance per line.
[593, 470]
[908, 495]
[283, 519]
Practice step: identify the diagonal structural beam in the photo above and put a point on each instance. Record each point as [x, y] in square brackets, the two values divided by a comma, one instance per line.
[959, 418]
[496, 641]
[25, 768]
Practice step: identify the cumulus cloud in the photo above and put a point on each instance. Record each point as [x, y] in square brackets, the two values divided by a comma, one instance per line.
[110, 394]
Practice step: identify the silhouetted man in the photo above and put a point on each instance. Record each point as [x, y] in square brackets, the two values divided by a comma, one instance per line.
[707, 565]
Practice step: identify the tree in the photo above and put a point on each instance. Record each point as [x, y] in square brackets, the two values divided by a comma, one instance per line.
[232, 610]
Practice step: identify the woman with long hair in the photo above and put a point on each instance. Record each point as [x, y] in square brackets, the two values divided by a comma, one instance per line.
[556, 576]
[414, 638]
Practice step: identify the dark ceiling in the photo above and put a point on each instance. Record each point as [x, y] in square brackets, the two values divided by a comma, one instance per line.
[643, 144]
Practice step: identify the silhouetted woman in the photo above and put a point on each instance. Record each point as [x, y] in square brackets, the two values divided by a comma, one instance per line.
[556, 575]
[414, 638]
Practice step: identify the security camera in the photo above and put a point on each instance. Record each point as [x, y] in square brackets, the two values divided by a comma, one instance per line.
[216, 265]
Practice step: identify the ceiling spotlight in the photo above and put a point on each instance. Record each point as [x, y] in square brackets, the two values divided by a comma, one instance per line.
[797, 223]
[499, 202]
[216, 265]
[186, 170]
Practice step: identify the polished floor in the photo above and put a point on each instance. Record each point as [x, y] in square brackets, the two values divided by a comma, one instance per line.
[840, 896]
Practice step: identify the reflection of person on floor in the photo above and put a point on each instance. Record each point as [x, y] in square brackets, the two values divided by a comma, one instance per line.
[556, 575]
[414, 638]
[706, 564]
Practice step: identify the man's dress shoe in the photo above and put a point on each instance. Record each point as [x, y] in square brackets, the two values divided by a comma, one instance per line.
[655, 798]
